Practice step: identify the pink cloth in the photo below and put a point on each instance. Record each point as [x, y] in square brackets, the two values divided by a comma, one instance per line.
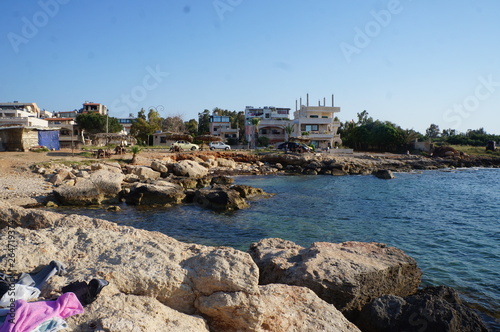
[29, 315]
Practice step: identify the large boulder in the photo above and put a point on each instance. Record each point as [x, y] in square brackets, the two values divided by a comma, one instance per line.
[159, 166]
[83, 192]
[431, 309]
[348, 275]
[220, 199]
[383, 174]
[247, 191]
[103, 186]
[292, 308]
[162, 193]
[146, 173]
[150, 275]
[228, 163]
[189, 168]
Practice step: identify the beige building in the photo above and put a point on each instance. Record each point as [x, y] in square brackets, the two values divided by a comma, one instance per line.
[317, 123]
[89, 107]
[70, 135]
[221, 126]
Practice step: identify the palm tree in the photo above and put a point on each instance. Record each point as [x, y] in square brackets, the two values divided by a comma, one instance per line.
[255, 122]
[288, 130]
[135, 151]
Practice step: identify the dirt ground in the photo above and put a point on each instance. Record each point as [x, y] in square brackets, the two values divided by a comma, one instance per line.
[16, 162]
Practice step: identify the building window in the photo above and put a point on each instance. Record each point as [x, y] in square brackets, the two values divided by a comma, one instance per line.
[313, 116]
[311, 127]
[276, 132]
[163, 139]
[263, 131]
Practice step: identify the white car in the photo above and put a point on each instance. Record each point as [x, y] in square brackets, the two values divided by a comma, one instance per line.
[219, 145]
[184, 145]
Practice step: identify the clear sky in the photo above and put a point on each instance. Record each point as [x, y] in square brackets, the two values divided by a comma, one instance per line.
[411, 62]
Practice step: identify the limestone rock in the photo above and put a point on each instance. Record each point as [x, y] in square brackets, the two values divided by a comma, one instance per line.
[14, 216]
[220, 199]
[120, 312]
[247, 191]
[102, 186]
[189, 168]
[431, 309]
[107, 182]
[146, 173]
[384, 174]
[348, 274]
[236, 311]
[84, 192]
[159, 166]
[147, 272]
[222, 162]
[292, 308]
[162, 193]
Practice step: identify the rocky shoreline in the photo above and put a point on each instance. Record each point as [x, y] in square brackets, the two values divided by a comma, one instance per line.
[160, 284]
[157, 283]
[204, 178]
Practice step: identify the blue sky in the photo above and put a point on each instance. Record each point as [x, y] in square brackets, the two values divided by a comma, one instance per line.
[412, 62]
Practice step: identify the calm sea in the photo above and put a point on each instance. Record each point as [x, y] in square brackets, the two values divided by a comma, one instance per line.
[448, 221]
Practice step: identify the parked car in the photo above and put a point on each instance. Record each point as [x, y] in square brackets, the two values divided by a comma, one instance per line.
[219, 145]
[294, 147]
[184, 145]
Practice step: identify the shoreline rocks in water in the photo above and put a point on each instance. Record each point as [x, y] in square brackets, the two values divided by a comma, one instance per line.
[157, 283]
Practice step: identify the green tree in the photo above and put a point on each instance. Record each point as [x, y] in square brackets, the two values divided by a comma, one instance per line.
[204, 122]
[433, 131]
[191, 127]
[94, 123]
[142, 128]
[288, 130]
[174, 124]
[255, 122]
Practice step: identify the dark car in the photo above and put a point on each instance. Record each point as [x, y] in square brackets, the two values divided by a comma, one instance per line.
[294, 147]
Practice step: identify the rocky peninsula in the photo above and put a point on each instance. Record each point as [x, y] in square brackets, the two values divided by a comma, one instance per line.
[157, 283]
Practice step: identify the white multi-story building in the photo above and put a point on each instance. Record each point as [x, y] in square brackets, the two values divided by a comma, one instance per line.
[317, 123]
[273, 121]
[21, 114]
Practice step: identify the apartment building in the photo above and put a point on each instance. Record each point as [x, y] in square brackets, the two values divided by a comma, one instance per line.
[317, 123]
[221, 126]
[272, 123]
[89, 107]
[21, 114]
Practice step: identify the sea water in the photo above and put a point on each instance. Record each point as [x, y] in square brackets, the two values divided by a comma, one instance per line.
[448, 221]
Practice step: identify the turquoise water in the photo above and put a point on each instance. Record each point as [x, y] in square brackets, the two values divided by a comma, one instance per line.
[447, 221]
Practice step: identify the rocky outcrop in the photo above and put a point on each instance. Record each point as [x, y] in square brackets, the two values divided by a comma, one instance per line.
[189, 168]
[292, 308]
[102, 186]
[431, 309]
[157, 283]
[220, 198]
[348, 275]
[162, 193]
[383, 174]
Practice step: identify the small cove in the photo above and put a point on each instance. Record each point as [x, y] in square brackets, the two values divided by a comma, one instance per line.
[446, 220]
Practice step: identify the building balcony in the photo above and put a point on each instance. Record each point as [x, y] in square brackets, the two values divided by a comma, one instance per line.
[322, 135]
[318, 121]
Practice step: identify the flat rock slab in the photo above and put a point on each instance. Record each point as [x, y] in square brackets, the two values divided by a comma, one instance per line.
[348, 275]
